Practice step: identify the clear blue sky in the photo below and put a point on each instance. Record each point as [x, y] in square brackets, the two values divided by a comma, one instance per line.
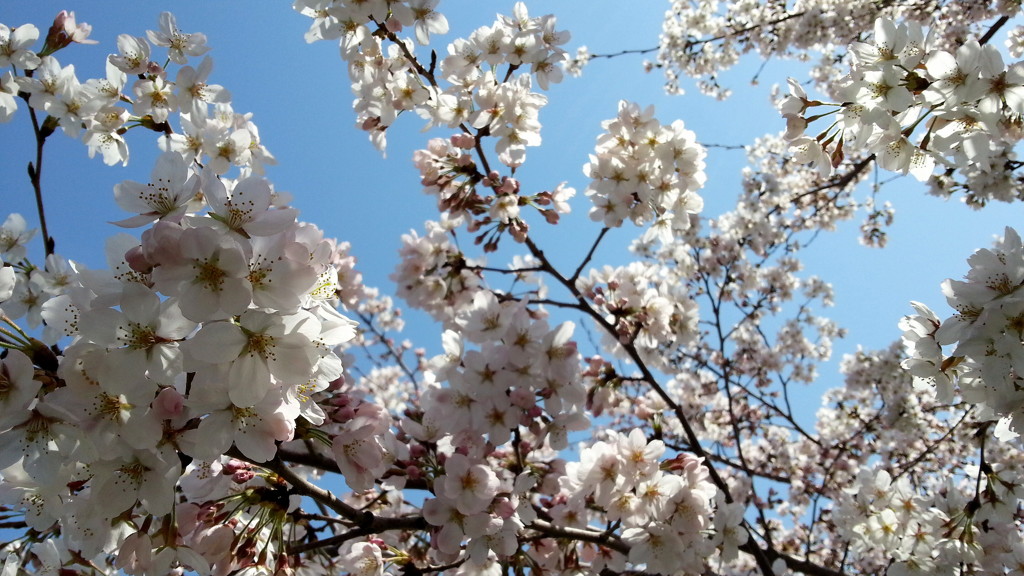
[300, 100]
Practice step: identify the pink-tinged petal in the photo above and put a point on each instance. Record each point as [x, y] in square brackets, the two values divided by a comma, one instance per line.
[302, 323]
[123, 371]
[481, 524]
[172, 324]
[7, 281]
[231, 259]
[256, 445]
[258, 321]
[1015, 99]
[252, 194]
[436, 512]
[449, 539]
[12, 442]
[168, 404]
[214, 191]
[136, 221]
[212, 438]
[940, 64]
[284, 288]
[16, 373]
[293, 363]
[131, 196]
[192, 560]
[145, 432]
[248, 381]
[235, 296]
[140, 304]
[272, 222]
[103, 326]
[216, 343]
[165, 363]
[365, 451]
[337, 328]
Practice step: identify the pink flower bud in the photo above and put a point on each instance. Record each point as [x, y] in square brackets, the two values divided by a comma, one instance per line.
[343, 415]
[65, 31]
[137, 260]
[509, 186]
[503, 508]
[206, 513]
[464, 141]
[168, 404]
[336, 384]
[234, 465]
[371, 124]
[521, 397]
[283, 567]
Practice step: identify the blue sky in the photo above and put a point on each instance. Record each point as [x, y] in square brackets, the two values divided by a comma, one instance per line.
[300, 100]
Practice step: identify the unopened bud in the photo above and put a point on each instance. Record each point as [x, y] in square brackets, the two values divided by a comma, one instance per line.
[43, 356]
[234, 465]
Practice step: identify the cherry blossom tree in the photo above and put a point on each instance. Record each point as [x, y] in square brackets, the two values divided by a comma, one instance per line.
[229, 397]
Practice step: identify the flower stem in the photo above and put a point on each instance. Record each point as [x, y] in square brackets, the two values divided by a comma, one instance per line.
[35, 170]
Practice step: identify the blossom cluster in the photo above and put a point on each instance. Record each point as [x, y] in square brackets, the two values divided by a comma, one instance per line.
[93, 109]
[665, 506]
[646, 172]
[490, 74]
[434, 275]
[644, 306]
[482, 88]
[450, 173]
[215, 330]
[202, 406]
[148, 430]
[916, 107]
[702, 39]
[521, 382]
[886, 519]
[985, 329]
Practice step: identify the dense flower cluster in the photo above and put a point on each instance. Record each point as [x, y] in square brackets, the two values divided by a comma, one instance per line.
[216, 330]
[216, 333]
[887, 520]
[490, 75]
[203, 406]
[450, 173]
[982, 368]
[703, 38]
[645, 307]
[646, 172]
[916, 106]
